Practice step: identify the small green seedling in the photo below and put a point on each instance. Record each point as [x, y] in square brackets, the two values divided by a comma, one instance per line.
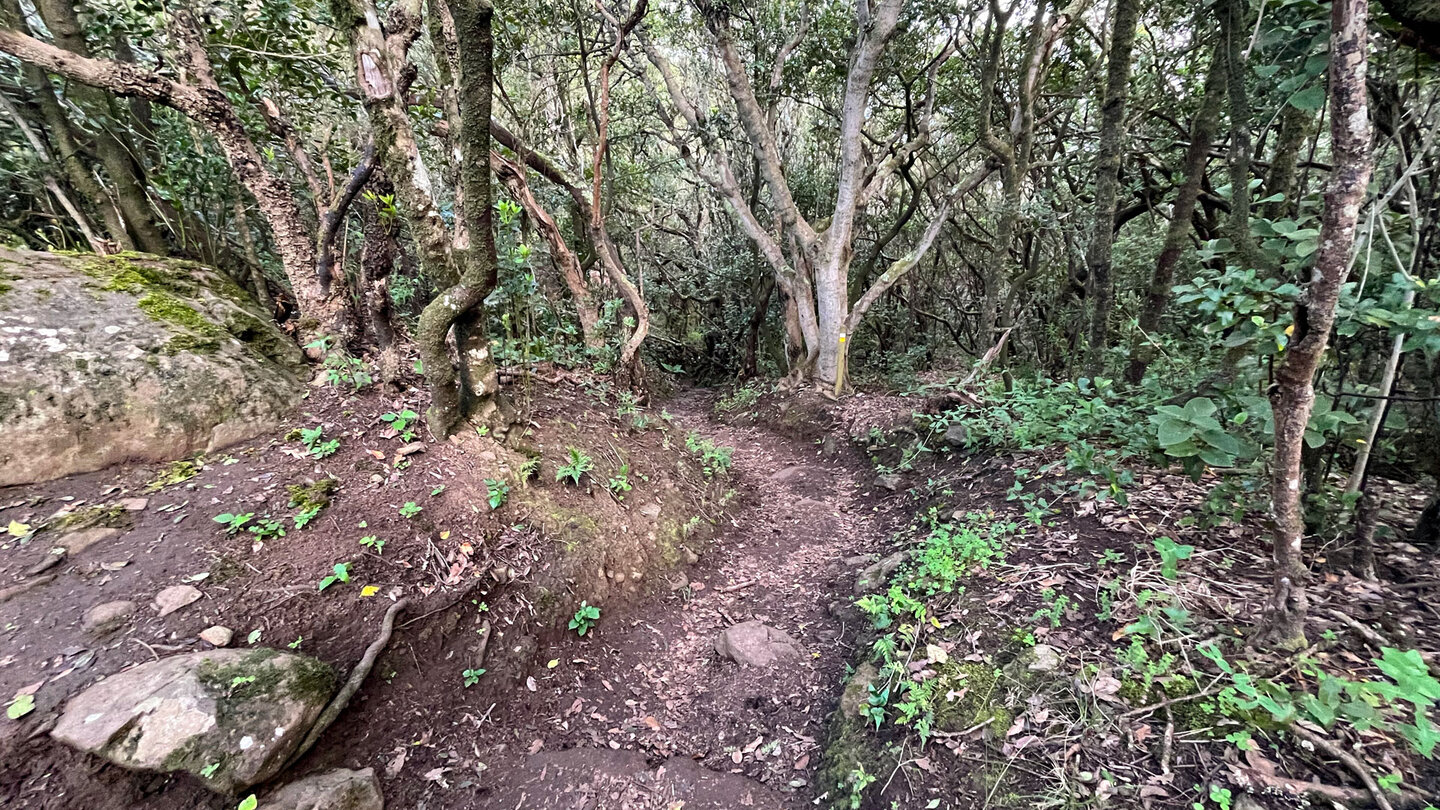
[437, 490]
[373, 543]
[266, 529]
[295, 645]
[578, 464]
[303, 517]
[411, 509]
[233, 522]
[529, 468]
[342, 574]
[249, 803]
[620, 482]
[311, 438]
[401, 422]
[498, 491]
[585, 619]
[472, 676]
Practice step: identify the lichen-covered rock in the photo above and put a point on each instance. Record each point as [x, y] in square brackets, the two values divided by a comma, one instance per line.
[131, 357]
[230, 717]
[336, 789]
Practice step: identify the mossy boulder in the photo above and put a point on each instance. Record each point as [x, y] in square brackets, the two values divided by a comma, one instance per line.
[132, 358]
[230, 717]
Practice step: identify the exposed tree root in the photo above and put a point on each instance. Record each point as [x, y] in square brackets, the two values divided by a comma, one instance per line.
[352, 685]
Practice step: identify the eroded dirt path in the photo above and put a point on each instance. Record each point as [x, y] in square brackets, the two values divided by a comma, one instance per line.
[647, 715]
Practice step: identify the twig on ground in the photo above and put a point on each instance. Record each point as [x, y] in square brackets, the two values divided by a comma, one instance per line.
[739, 586]
[1356, 767]
[352, 685]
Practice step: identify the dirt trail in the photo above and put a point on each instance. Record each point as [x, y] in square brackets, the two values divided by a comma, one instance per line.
[647, 715]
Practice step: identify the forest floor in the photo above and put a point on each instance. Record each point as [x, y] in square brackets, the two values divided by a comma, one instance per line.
[639, 713]
[1026, 673]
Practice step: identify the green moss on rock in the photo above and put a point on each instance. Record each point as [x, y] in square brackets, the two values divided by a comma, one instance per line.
[315, 495]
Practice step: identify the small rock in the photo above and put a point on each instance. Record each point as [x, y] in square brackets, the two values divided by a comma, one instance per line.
[650, 510]
[756, 644]
[856, 697]
[336, 789]
[687, 556]
[890, 481]
[217, 636]
[1047, 659]
[77, 541]
[789, 474]
[175, 597]
[955, 435]
[107, 617]
[49, 561]
[830, 445]
[874, 577]
[134, 504]
[410, 449]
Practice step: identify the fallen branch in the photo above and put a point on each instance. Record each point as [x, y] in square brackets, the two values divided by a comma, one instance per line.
[1356, 767]
[739, 586]
[337, 704]
[1320, 792]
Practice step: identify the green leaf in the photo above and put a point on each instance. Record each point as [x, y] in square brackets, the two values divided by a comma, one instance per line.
[249, 803]
[20, 706]
[1173, 433]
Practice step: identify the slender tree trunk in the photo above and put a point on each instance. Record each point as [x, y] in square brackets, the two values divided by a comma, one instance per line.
[1107, 180]
[1293, 396]
[258, 284]
[1362, 539]
[1285, 162]
[1232, 35]
[125, 172]
[1177, 235]
[377, 260]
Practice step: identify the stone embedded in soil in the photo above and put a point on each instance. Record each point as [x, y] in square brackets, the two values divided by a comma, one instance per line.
[1046, 658]
[756, 644]
[77, 541]
[230, 717]
[335, 789]
[175, 597]
[890, 481]
[877, 574]
[650, 510]
[217, 636]
[955, 435]
[107, 617]
[855, 700]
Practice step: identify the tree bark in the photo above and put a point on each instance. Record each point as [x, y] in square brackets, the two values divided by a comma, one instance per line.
[1177, 235]
[1232, 36]
[467, 389]
[377, 260]
[1107, 180]
[1293, 396]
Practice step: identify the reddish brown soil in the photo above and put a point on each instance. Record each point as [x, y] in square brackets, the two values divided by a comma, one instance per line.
[640, 714]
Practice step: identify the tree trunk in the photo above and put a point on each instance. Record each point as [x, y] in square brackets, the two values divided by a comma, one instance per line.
[1293, 396]
[466, 390]
[1107, 180]
[1232, 36]
[1177, 235]
[377, 260]
[126, 174]
[1285, 162]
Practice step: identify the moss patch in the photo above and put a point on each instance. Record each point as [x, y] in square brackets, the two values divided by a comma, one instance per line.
[315, 495]
[111, 516]
[175, 473]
